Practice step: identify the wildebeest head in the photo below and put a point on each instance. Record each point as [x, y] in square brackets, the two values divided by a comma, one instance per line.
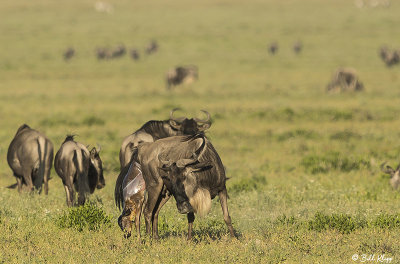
[189, 126]
[395, 174]
[96, 178]
[177, 177]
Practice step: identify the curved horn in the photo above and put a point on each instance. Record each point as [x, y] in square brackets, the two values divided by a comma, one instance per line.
[388, 169]
[99, 147]
[182, 163]
[207, 120]
[177, 119]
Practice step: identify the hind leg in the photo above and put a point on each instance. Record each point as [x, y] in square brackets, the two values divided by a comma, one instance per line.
[69, 192]
[46, 180]
[223, 198]
[163, 200]
[153, 195]
[19, 183]
[28, 178]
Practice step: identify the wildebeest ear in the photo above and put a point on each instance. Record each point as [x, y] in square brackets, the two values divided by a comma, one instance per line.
[204, 126]
[93, 151]
[174, 124]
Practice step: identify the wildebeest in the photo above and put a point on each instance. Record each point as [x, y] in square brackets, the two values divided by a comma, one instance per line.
[181, 74]
[273, 48]
[390, 57]
[297, 47]
[152, 47]
[190, 168]
[135, 54]
[395, 174]
[69, 53]
[344, 80]
[30, 156]
[79, 169]
[118, 51]
[103, 53]
[153, 130]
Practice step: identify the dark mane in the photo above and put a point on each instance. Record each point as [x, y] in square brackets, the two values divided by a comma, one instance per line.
[69, 138]
[156, 129]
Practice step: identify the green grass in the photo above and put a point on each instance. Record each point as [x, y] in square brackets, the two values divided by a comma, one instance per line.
[294, 154]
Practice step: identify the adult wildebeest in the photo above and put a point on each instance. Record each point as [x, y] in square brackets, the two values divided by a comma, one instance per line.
[390, 57]
[395, 174]
[191, 170]
[181, 74]
[153, 130]
[344, 80]
[79, 168]
[103, 53]
[118, 51]
[152, 47]
[68, 54]
[30, 156]
[135, 54]
[273, 48]
[297, 47]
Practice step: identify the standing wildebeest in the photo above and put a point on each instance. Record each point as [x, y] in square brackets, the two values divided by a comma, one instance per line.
[79, 168]
[68, 54]
[344, 80]
[181, 74]
[390, 57]
[273, 48]
[190, 168]
[395, 174]
[118, 51]
[30, 156]
[135, 54]
[297, 47]
[153, 130]
[152, 47]
[103, 53]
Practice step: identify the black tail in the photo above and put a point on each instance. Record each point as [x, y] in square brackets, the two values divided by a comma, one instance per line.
[12, 186]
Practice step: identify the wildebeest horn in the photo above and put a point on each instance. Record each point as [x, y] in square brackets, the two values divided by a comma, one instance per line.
[99, 147]
[177, 119]
[388, 169]
[207, 120]
[182, 163]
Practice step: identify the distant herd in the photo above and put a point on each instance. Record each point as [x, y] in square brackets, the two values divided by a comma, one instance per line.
[161, 159]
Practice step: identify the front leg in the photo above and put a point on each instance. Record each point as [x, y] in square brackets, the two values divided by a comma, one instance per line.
[163, 200]
[190, 218]
[153, 195]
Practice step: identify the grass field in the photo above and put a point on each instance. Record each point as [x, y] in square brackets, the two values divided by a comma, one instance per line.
[305, 184]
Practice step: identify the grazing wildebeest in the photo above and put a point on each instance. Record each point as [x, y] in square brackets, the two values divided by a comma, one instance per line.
[390, 57]
[103, 53]
[118, 51]
[69, 53]
[191, 170]
[79, 169]
[395, 174]
[181, 74]
[297, 47]
[152, 47]
[273, 48]
[135, 54]
[30, 156]
[153, 130]
[345, 79]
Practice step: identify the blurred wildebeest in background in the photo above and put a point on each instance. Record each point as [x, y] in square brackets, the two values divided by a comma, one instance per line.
[297, 47]
[135, 54]
[152, 47]
[273, 48]
[181, 74]
[191, 170]
[30, 156]
[69, 53]
[390, 57]
[118, 51]
[344, 80]
[153, 130]
[103, 53]
[395, 174]
[79, 169]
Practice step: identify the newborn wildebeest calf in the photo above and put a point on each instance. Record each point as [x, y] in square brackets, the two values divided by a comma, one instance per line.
[79, 168]
[189, 168]
[30, 156]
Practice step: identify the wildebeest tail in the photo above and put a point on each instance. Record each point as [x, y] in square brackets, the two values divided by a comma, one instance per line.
[201, 202]
[42, 152]
[81, 172]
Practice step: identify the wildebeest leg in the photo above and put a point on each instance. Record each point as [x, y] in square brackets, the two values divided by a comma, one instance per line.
[223, 198]
[153, 195]
[69, 195]
[19, 183]
[28, 178]
[46, 180]
[155, 216]
[190, 218]
[81, 198]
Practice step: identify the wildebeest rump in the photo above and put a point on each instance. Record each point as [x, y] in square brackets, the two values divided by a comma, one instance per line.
[181, 74]
[389, 56]
[152, 47]
[30, 157]
[153, 130]
[344, 80]
[79, 169]
[188, 164]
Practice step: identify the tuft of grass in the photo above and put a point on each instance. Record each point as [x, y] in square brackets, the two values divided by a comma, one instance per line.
[248, 184]
[93, 121]
[307, 134]
[343, 223]
[285, 220]
[387, 221]
[88, 216]
[332, 161]
[345, 135]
